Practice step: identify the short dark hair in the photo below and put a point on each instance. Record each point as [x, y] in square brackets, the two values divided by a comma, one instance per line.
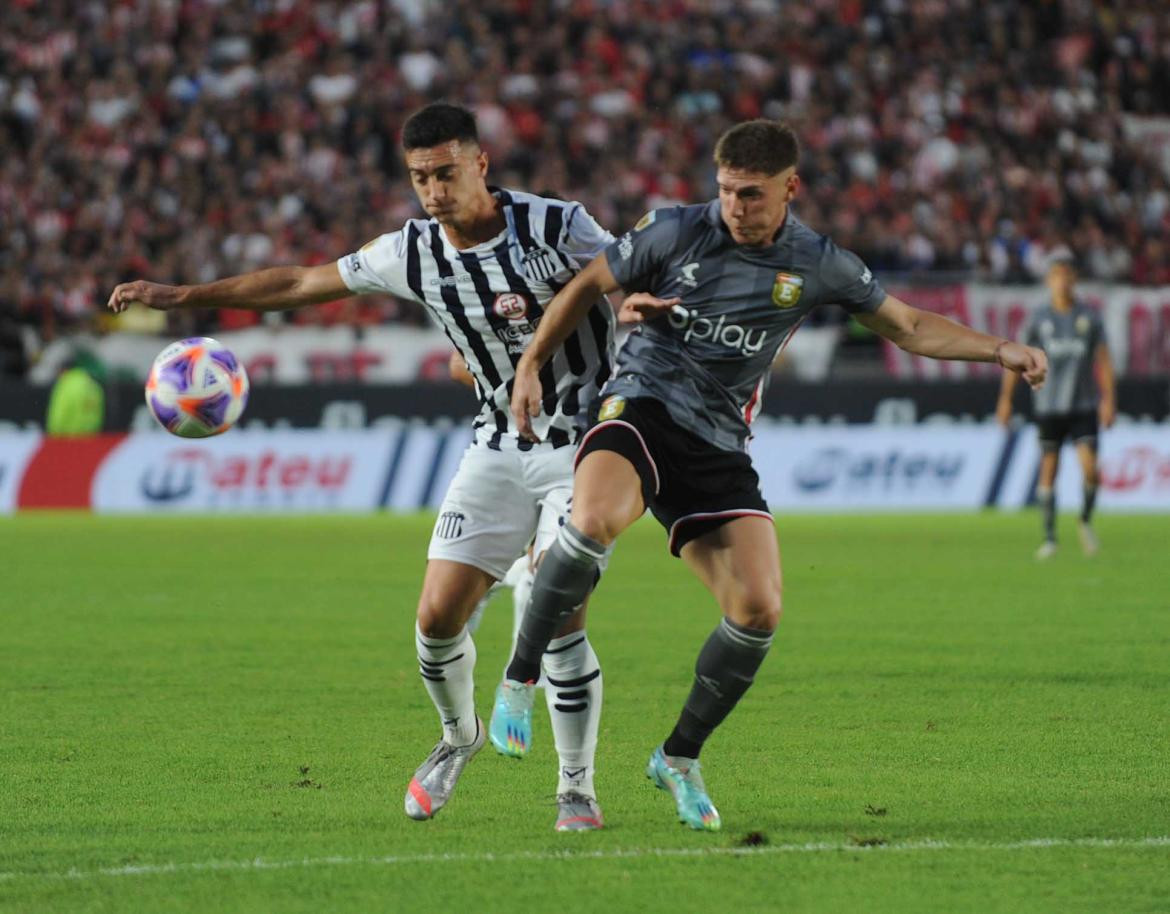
[437, 123]
[761, 145]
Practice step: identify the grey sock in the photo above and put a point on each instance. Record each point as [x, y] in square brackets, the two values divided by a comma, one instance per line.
[563, 581]
[725, 669]
[1047, 500]
[1089, 503]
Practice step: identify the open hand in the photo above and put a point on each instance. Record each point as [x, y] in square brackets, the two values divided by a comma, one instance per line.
[526, 399]
[639, 306]
[151, 294]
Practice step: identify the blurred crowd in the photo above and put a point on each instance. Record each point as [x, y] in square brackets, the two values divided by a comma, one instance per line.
[185, 140]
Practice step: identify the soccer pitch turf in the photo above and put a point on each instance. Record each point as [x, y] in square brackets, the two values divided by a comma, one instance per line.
[222, 714]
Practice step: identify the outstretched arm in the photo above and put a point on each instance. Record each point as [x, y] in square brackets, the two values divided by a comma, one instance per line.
[567, 309]
[936, 337]
[263, 290]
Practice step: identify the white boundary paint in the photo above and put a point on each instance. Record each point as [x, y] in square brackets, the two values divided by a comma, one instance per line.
[926, 844]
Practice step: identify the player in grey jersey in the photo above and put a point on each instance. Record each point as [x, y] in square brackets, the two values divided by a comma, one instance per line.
[484, 265]
[720, 287]
[1071, 405]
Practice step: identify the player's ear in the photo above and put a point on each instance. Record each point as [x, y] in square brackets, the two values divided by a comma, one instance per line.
[791, 187]
[481, 162]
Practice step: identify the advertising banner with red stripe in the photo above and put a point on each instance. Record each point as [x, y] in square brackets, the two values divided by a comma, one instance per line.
[407, 466]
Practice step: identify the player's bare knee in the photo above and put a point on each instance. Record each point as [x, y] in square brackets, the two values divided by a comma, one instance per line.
[596, 523]
[439, 618]
[757, 607]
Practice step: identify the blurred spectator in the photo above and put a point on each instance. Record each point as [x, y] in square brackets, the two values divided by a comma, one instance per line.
[191, 139]
[77, 403]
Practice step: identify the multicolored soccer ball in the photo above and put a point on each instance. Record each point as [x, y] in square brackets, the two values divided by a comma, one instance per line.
[197, 388]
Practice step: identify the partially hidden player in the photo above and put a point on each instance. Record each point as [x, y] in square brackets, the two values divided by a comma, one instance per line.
[485, 265]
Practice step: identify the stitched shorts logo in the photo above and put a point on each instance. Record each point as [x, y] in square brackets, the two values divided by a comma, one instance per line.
[449, 526]
[612, 407]
[510, 306]
[786, 291]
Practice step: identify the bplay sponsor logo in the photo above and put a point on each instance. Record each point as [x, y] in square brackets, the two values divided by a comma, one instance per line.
[888, 470]
[734, 336]
[191, 472]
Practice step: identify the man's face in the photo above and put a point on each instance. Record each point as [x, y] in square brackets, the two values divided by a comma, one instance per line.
[753, 204]
[1061, 278]
[449, 179]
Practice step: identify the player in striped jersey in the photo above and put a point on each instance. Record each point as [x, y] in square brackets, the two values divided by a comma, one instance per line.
[484, 265]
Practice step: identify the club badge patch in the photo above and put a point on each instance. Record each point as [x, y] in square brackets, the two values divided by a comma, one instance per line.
[646, 220]
[612, 407]
[538, 265]
[787, 289]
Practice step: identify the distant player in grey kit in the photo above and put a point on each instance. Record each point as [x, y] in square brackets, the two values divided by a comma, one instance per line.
[718, 288]
[1070, 406]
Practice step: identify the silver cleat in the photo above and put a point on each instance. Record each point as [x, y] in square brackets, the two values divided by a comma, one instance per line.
[435, 780]
[577, 812]
[1089, 542]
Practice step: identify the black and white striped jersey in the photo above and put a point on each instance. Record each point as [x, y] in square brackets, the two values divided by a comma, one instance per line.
[488, 299]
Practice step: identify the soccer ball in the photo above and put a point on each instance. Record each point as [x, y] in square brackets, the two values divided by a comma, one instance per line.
[196, 388]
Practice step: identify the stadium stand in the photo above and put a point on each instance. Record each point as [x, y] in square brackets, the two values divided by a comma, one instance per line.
[188, 140]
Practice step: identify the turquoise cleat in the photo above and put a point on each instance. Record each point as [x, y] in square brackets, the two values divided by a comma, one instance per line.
[686, 786]
[511, 726]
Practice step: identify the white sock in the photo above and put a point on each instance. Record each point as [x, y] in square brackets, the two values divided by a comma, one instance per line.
[446, 665]
[573, 695]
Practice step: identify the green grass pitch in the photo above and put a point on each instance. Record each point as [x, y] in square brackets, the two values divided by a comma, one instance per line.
[221, 714]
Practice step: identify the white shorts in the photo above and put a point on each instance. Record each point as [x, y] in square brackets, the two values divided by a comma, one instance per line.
[501, 501]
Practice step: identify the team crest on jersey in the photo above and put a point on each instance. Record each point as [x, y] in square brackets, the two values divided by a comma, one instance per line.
[787, 289]
[612, 407]
[538, 264]
[510, 306]
[1082, 326]
[646, 220]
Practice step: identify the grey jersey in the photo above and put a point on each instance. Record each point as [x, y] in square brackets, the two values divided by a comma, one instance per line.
[1070, 339]
[743, 302]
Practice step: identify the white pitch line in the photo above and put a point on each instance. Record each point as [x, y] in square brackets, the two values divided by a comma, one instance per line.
[928, 844]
